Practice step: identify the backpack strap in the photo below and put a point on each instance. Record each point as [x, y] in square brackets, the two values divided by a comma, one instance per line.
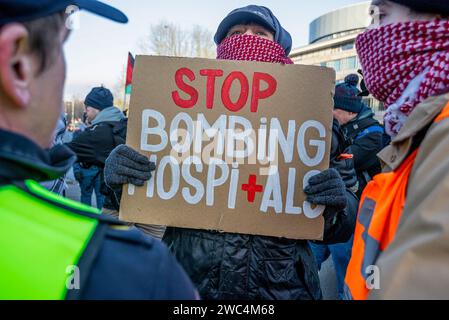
[354, 129]
[373, 129]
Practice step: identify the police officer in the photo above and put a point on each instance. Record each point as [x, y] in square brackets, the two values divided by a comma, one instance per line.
[53, 248]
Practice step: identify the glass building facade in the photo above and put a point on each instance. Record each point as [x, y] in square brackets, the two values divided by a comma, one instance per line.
[332, 44]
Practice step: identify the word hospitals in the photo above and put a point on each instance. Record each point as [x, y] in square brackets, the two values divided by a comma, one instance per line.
[235, 140]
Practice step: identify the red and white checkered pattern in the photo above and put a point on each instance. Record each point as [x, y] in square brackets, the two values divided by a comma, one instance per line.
[252, 48]
[395, 54]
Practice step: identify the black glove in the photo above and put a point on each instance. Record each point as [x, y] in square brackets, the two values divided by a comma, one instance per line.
[125, 165]
[328, 189]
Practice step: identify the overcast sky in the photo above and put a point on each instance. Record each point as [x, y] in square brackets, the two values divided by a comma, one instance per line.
[97, 52]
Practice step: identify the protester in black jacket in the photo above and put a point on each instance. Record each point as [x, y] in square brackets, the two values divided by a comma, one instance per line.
[237, 266]
[364, 133]
[93, 146]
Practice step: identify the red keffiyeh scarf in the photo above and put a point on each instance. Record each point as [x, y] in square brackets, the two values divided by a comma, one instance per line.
[252, 48]
[403, 64]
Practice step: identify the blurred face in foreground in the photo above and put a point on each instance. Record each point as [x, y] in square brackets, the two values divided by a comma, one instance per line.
[385, 12]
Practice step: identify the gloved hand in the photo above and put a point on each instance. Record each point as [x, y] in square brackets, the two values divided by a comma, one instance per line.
[328, 189]
[125, 165]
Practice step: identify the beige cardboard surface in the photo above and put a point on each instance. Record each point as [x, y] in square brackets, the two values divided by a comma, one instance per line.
[240, 195]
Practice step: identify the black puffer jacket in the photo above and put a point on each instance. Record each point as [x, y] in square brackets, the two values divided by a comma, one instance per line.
[93, 146]
[226, 266]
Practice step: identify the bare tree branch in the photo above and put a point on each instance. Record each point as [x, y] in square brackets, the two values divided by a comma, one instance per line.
[169, 39]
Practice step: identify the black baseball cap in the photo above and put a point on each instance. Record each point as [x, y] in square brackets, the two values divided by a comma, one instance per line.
[27, 10]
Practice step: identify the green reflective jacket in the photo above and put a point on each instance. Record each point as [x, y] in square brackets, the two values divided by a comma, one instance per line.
[47, 243]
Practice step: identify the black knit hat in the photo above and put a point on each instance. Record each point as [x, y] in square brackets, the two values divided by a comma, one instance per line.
[347, 95]
[427, 6]
[99, 98]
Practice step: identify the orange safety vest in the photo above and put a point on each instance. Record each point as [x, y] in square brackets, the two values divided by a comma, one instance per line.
[380, 211]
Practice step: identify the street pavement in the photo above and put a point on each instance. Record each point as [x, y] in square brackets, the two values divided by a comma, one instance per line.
[328, 280]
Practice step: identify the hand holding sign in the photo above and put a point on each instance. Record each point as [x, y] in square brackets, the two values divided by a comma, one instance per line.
[233, 144]
[328, 189]
[125, 165]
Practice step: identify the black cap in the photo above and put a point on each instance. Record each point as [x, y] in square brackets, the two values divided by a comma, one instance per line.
[426, 6]
[257, 14]
[99, 98]
[26, 10]
[347, 95]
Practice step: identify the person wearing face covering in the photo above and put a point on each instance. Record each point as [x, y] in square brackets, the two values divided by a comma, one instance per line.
[237, 266]
[401, 247]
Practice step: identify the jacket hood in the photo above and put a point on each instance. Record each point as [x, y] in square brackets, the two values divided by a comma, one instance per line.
[110, 114]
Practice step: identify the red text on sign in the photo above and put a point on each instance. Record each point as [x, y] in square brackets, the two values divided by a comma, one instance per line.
[263, 86]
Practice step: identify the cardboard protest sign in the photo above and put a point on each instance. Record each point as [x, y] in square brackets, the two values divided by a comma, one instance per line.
[234, 143]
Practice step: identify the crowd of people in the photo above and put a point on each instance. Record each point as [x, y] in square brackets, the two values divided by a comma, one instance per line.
[385, 191]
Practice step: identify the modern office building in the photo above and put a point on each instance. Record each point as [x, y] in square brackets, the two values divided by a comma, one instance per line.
[332, 43]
